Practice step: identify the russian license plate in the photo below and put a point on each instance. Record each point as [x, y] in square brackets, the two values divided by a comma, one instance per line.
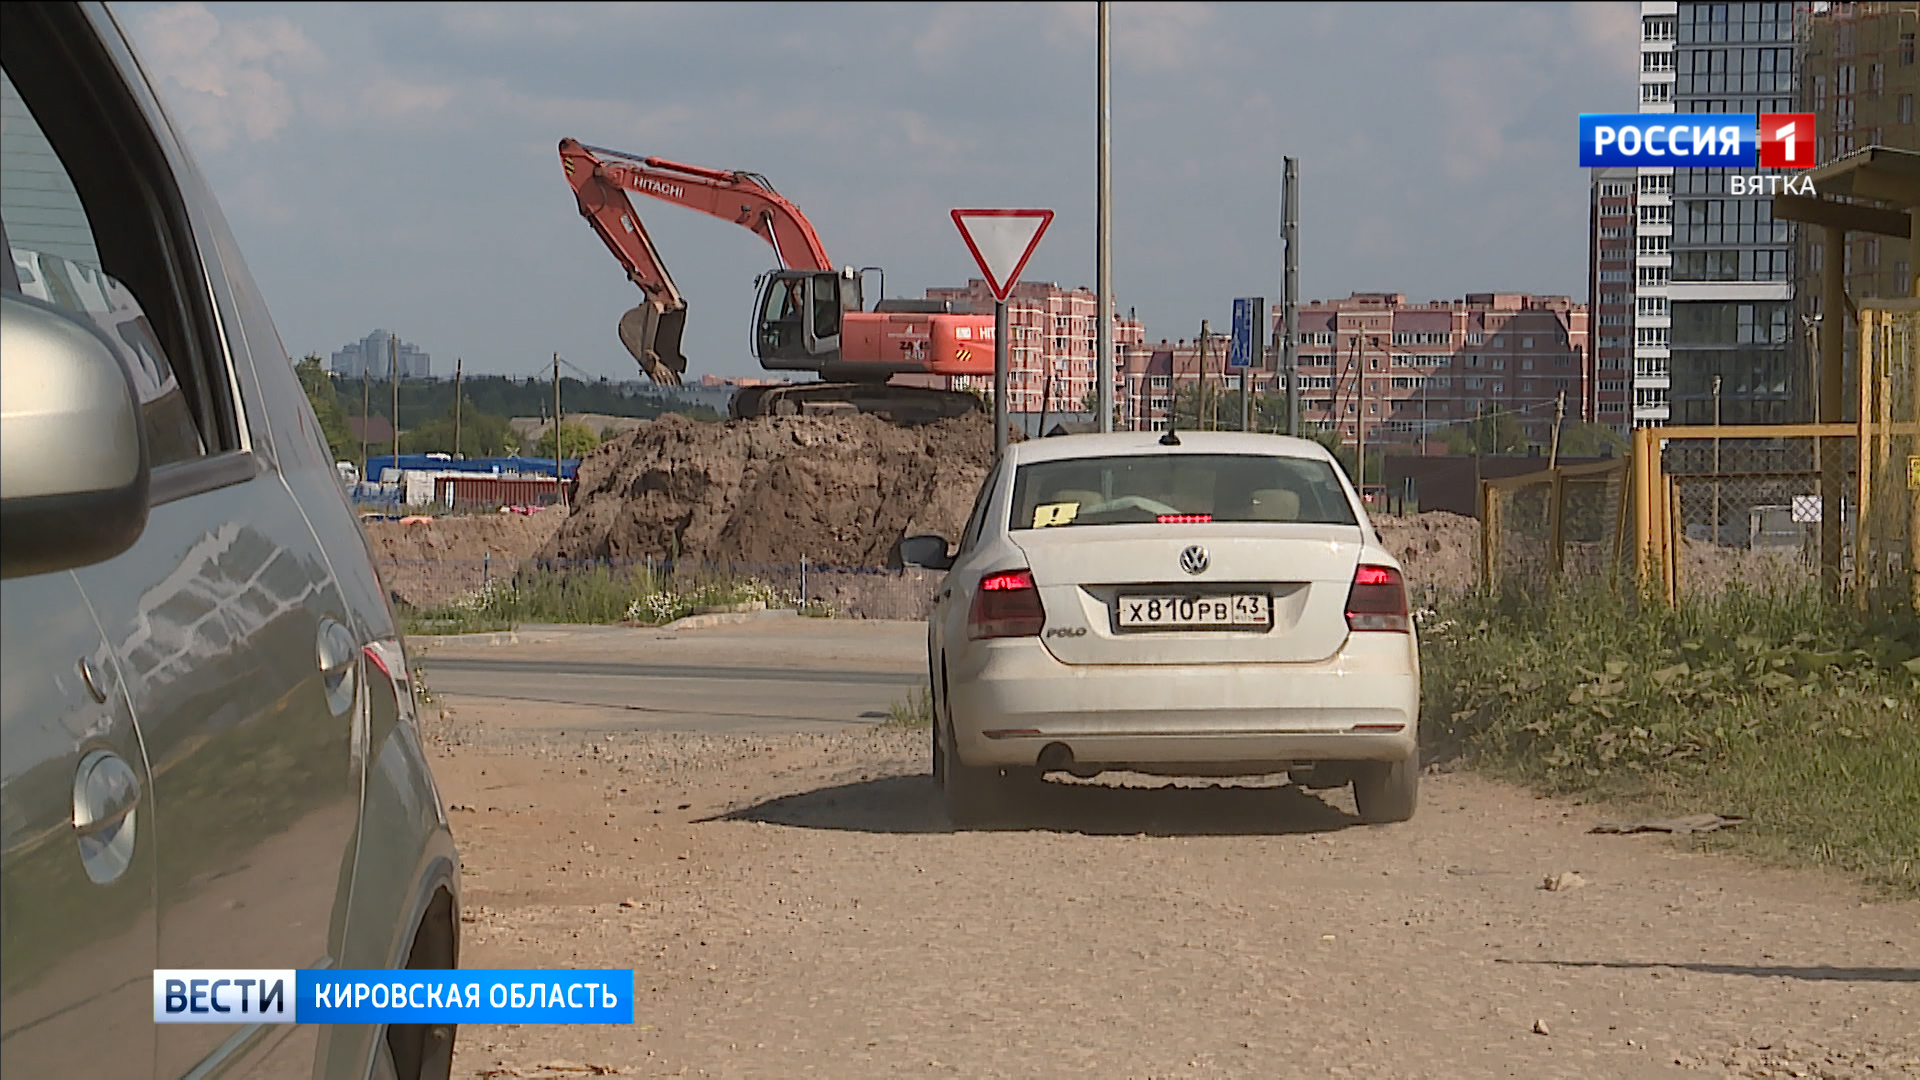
[1248, 610]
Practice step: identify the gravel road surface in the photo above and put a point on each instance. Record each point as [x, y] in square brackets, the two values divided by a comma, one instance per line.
[775, 867]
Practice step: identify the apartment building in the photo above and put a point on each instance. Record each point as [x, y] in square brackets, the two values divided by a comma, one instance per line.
[1150, 375]
[373, 355]
[1713, 284]
[1051, 340]
[1610, 298]
[1407, 370]
[1859, 77]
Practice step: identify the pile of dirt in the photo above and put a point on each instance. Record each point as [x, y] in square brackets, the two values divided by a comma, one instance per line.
[1439, 551]
[426, 563]
[840, 491]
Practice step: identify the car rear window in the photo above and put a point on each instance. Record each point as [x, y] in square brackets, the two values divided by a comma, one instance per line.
[1146, 489]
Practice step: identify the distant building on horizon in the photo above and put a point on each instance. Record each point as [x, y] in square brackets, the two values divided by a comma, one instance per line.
[374, 354]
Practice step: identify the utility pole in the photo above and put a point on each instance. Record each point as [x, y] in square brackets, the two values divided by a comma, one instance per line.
[1046, 400]
[1425, 431]
[558, 481]
[1559, 416]
[456, 407]
[1716, 460]
[1103, 348]
[366, 406]
[1360, 452]
[1202, 410]
[393, 369]
[1290, 288]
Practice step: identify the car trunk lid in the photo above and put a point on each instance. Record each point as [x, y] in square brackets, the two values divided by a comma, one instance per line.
[1084, 572]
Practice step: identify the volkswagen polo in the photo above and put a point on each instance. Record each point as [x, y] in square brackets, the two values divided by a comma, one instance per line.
[1188, 604]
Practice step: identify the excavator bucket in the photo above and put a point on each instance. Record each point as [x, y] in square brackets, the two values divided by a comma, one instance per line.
[651, 332]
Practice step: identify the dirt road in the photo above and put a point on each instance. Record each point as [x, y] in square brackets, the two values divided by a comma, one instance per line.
[794, 904]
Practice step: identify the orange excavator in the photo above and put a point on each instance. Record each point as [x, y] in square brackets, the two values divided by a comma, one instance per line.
[808, 316]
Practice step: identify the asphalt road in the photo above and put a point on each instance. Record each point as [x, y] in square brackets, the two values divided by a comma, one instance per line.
[761, 680]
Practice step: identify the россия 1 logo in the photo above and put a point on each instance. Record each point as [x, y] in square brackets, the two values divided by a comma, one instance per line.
[1697, 140]
[1705, 141]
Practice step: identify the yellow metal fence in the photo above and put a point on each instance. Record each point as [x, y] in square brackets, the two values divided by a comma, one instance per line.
[1695, 510]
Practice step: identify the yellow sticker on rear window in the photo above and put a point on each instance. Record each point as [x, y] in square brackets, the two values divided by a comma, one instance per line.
[1049, 514]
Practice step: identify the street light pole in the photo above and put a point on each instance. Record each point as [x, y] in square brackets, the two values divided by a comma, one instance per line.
[1360, 454]
[1103, 361]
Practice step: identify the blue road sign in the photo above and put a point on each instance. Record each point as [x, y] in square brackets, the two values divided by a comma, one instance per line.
[1246, 339]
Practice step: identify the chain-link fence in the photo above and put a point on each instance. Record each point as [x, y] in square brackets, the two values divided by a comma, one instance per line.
[1553, 523]
[1697, 510]
[1748, 511]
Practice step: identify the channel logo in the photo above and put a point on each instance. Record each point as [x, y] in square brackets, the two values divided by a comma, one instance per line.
[1697, 140]
[226, 996]
[460, 996]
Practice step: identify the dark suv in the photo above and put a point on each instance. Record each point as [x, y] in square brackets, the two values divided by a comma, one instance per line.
[209, 756]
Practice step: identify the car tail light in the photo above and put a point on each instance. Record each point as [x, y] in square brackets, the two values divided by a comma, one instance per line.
[1377, 600]
[1184, 519]
[1007, 604]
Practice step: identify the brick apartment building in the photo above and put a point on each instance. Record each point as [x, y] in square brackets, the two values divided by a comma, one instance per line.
[1149, 374]
[1050, 329]
[1610, 250]
[1427, 365]
[1860, 77]
[1407, 369]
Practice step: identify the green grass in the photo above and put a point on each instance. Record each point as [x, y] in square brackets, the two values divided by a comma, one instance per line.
[915, 710]
[597, 595]
[1801, 716]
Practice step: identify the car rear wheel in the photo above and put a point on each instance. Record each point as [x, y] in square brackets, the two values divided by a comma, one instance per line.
[1387, 791]
[975, 796]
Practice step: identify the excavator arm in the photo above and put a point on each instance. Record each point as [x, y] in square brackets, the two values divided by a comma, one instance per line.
[602, 178]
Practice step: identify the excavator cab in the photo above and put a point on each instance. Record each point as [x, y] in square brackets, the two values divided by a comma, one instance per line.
[800, 314]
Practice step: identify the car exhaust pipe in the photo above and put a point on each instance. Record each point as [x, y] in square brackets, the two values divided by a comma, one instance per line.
[1058, 757]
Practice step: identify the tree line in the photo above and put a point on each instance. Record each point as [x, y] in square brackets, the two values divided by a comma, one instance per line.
[426, 414]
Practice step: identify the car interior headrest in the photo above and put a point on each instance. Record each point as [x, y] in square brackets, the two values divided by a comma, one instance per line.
[1273, 504]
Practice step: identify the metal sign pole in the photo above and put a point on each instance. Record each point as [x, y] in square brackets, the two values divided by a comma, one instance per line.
[1103, 323]
[1290, 321]
[1256, 360]
[999, 379]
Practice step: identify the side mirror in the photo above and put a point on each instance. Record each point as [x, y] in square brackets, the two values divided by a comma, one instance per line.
[926, 552]
[73, 450]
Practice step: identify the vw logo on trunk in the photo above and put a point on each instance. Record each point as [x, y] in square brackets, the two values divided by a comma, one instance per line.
[1194, 560]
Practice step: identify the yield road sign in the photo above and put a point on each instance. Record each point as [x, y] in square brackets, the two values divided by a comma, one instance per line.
[1002, 241]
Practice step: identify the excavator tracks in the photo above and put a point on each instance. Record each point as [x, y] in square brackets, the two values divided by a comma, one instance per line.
[904, 405]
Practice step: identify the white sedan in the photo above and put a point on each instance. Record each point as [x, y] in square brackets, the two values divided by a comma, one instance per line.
[1195, 604]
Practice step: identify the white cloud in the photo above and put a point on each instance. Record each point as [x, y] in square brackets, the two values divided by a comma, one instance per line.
[1166, 37]
[223, 79]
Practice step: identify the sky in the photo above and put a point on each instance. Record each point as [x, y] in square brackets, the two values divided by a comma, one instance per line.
[393, 165]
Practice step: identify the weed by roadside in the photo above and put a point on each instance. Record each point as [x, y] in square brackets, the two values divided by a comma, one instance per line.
[596, 596]
[1800, 715]
[916, 710]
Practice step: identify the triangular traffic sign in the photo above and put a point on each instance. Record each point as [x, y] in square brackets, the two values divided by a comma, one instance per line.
[1002, 241]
